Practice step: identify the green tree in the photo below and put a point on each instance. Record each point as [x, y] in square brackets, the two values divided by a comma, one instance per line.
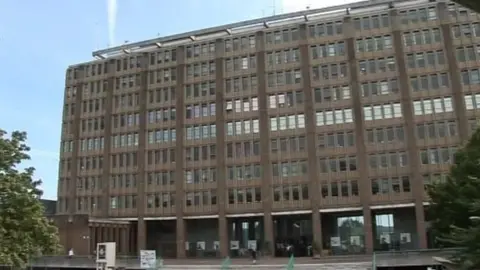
[25, 232]
[455, 201]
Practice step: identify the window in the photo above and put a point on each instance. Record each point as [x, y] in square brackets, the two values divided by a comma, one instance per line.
[248, 104]
[443, 155]
[282, 36]
[470, 77]
[388, 160]
[379, 88]
[422, 37]
[289, 168]
[384, 111]
[288, 99]
[426, 59]
[331, 93]
[243, 149]
[338, 164]
[472, 101]
[372, 22]
[125, 140]
[200, 176]
[429, 82]
[391, 185]
[438, 129]
[243, 127]
[374, 44]
[240, 43]
[197, 90]
[241, 84]
[283, 57]
[335, 140]
[418, 15]
[197, 50]
[240, 63]
[431, 106]
[286, 77]
[327, 50]
[287, 122]
[162, 135]
[200, 69]
[469, 53]
[325, 29]
[347, 188]
[467, 30]
[200, 132]
[341, 116]
[385, 135]
[330, 71]
[384, 64]
[200, 110]
[288, 144]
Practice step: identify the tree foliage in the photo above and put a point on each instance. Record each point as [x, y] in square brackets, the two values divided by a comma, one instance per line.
[24, 230]
[454, 203]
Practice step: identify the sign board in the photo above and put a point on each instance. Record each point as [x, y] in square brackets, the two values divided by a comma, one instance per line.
[216, 245]
[148, 259]
[106, 253]
[252, 244]
[234, 245]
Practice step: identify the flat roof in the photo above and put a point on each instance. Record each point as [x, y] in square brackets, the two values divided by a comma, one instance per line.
[234, 29]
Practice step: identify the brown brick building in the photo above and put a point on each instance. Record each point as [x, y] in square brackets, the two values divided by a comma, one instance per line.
[318, 126]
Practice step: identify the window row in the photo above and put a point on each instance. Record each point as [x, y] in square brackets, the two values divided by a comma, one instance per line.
[384, 111]
[327, 50]
[425, 59]
[200, 132]
[92, 124]
[422, 37]
[340, 116]
[243, 127]
[282, 36]
[290, 193]
[200, 110]
[374, 44]
[123, 181]
[287, 122]
[240, 43]
[164, 178]
[380, 88]
[431, 106]
[93, 105]
[288, 99]
[244, 172]
[290, 168]
[160, 200]
[89, 163]
[126, 101]
[123, 202]
[283, 57]
[200, 176]
[346, 188]
[472, 101]
[438, 129]
[91, 144]
[206, 197]
[201, 69]
[198, 153]
[162, 115]
[288, 145]
[388, 160]
[196, 90]
[284, 77]
[332, 93]
[441, 155]
[249, 104]
[198, 50]
[338, 164]
[378, 65]
[335, 140]
[124, 160]
[161, 136]
[125, 120]
[161, 156]
[429, 82]
[88, 183]
[162, 95]
[469, 53]
[241, 84]
[470, 77]
[243, 149]
[371, 22]
[244, 195]
[391, 185]
[125, 140]
[385, 134]
[240, 63]
[329, 71]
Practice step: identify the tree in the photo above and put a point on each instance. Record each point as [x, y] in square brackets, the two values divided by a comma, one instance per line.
[25, 232]
[454, 202]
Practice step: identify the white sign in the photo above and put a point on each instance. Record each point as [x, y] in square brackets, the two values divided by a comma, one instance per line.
[335, 241]
[201, 245]
[252, 244]
[234, 245]
[405, 238]
[216, 245]
[148, 259]
[106, 254]
[355, 240]
[385, 238]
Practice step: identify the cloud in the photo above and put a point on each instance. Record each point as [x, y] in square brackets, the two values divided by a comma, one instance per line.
[297, 5]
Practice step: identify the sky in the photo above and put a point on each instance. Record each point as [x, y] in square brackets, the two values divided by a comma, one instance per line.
[40, 39]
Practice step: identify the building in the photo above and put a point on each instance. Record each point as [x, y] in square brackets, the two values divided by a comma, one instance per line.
[321, 126]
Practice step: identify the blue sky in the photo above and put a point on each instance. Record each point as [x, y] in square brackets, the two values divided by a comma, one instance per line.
[40, 39]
